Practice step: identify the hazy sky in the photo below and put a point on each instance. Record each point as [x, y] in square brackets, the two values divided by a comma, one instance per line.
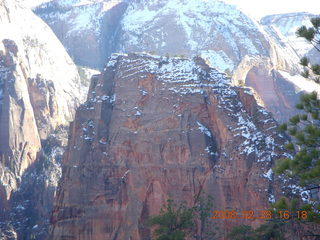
[260, 8]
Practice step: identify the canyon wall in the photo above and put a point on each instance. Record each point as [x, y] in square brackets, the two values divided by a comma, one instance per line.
[40, 89]
[155, 128]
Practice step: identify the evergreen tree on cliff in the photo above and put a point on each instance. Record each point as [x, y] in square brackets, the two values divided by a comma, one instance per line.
[305, 128]
[312, 35]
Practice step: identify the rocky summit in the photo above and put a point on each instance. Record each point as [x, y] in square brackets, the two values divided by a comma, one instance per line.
[155, 128]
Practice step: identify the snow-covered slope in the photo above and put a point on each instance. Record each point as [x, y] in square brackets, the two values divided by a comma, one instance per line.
[229, 40]
[218, 31]
[302, 83]
[85, 27]
[284, 26]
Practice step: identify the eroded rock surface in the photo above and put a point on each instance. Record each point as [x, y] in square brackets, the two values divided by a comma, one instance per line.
[39, 91]
[155, 128]
[19, 138]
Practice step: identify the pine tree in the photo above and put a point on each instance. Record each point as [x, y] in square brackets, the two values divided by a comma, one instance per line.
[305, 145]
[305, 128]
[176, 222]
[268, 231]
[242, 232]
[312, 35]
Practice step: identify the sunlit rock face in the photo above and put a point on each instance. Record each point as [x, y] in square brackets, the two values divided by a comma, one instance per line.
[45, 62]
[39, 91]
[155, 128]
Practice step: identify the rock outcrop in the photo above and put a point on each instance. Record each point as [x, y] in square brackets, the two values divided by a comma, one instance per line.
[19, 138]
[278, 94]
[155, 128]
[39, 91]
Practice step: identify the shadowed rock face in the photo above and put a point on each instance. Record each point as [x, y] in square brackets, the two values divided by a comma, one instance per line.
[157, 128]
[279, 95]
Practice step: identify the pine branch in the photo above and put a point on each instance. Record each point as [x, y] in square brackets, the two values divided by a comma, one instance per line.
[314, 44]
[311, 188]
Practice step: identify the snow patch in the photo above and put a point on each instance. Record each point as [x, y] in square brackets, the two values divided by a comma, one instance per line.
[203, 129]
[218, 60]
[271, 198]
[268, 174]
[302, 83]
[138, 113]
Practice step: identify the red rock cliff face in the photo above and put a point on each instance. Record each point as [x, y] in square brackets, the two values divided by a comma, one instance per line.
[278, 95]
[157, 128]
[40, 89]
[19, 139]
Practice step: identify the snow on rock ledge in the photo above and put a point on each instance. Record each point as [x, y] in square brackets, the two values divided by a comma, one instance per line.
[194, 131]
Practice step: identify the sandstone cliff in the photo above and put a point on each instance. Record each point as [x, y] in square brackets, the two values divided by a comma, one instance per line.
[155, 128]
[39, 91]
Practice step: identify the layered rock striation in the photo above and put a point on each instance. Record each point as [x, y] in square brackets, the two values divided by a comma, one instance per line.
[155, 128]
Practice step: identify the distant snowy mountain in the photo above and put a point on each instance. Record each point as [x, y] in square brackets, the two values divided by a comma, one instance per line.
[86, 28]
[286, 25]
[92, 30]
[218, 31]
[229, 40]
